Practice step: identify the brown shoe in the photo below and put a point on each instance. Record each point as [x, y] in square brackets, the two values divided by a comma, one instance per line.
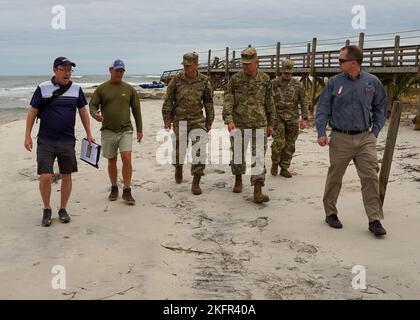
[178, 174]
[333, 221]
[285, 173]
[114, 193]
[274, 169]
[127, 197]
[237, 188]
[259, 197]
[195, 187]
[376, 228]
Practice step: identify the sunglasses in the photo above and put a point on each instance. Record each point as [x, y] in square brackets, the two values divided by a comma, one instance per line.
[65, 70]
[341, 61]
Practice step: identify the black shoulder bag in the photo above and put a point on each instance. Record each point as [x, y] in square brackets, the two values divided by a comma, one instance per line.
[59, 92]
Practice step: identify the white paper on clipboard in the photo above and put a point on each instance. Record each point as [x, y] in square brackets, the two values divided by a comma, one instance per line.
[90, 153]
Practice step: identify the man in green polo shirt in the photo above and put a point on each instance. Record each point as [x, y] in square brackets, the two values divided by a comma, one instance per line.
[110, 104]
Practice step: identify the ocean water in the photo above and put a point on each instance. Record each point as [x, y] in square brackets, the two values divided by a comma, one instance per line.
[16, 91]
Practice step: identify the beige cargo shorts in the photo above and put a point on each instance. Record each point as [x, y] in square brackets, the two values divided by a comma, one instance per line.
[112, 142]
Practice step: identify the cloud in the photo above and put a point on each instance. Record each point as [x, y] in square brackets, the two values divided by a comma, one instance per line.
[152, 35]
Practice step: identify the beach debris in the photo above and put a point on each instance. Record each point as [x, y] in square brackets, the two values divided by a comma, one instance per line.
[185, 250]
[121, 293]
[130, 267]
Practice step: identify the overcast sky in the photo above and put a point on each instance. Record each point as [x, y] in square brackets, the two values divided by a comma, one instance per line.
[151, 36]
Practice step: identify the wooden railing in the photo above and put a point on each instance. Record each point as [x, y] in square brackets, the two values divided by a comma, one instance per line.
[390, 59]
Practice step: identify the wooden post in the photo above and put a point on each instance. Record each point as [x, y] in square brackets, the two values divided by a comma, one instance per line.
[233, 59]
[306, 64]
[401, 57]
[389, 149]
[396, 49]
[347, 42]
[390, 98]
[417, 118]
[313, 74]
[361, 40]
[208, 64]
[278, 59]
[227, 64]
[417, 55]
[308, 56]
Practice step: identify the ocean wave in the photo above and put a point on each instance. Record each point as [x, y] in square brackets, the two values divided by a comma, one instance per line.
[148, 76]
[17, 92]
[12, 109]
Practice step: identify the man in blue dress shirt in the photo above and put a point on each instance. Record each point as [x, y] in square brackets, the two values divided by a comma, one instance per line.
[353, 104]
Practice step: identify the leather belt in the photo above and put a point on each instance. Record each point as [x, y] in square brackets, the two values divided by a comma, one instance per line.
[351, 132]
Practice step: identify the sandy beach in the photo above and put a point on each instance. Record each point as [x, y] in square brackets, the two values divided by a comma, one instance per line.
[219, 245]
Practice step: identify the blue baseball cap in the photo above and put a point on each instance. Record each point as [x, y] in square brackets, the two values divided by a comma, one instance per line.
[62, 61]
[118, 64]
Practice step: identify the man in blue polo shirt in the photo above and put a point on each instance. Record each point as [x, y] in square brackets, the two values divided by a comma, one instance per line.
[55, 102]
[353, 103]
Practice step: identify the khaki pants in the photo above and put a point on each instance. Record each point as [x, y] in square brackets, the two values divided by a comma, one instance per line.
[360, 148]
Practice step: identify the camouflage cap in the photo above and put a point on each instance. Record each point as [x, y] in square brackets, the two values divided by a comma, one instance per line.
[248, 55]
[287, 65]
[189, 59]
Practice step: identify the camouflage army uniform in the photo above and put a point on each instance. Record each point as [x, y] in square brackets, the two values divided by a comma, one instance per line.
[184, 101]
[249, 105]
[288, 95]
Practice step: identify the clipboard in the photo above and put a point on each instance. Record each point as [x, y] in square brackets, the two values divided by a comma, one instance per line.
[91, 154]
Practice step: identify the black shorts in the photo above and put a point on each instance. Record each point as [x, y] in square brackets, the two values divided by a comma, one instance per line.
[64, 151]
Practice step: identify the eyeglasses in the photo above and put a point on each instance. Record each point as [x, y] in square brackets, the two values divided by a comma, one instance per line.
[65, 70]
[341, 61]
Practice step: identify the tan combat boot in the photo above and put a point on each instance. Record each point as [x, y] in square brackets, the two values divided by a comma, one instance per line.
[237, 188]
[178, 174]
[285, 173]
[274, 169]
[259, 197]
[195, 187]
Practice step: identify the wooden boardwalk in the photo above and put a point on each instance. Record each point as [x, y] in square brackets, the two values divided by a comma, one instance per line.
[313, 66]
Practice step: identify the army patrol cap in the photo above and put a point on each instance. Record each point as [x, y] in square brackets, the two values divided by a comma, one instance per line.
[287, 66]
[189, 59]
[248, 55]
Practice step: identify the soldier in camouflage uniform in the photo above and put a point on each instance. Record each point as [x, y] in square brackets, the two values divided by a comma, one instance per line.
[288, 95]
[186, 95]
[249, 104]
